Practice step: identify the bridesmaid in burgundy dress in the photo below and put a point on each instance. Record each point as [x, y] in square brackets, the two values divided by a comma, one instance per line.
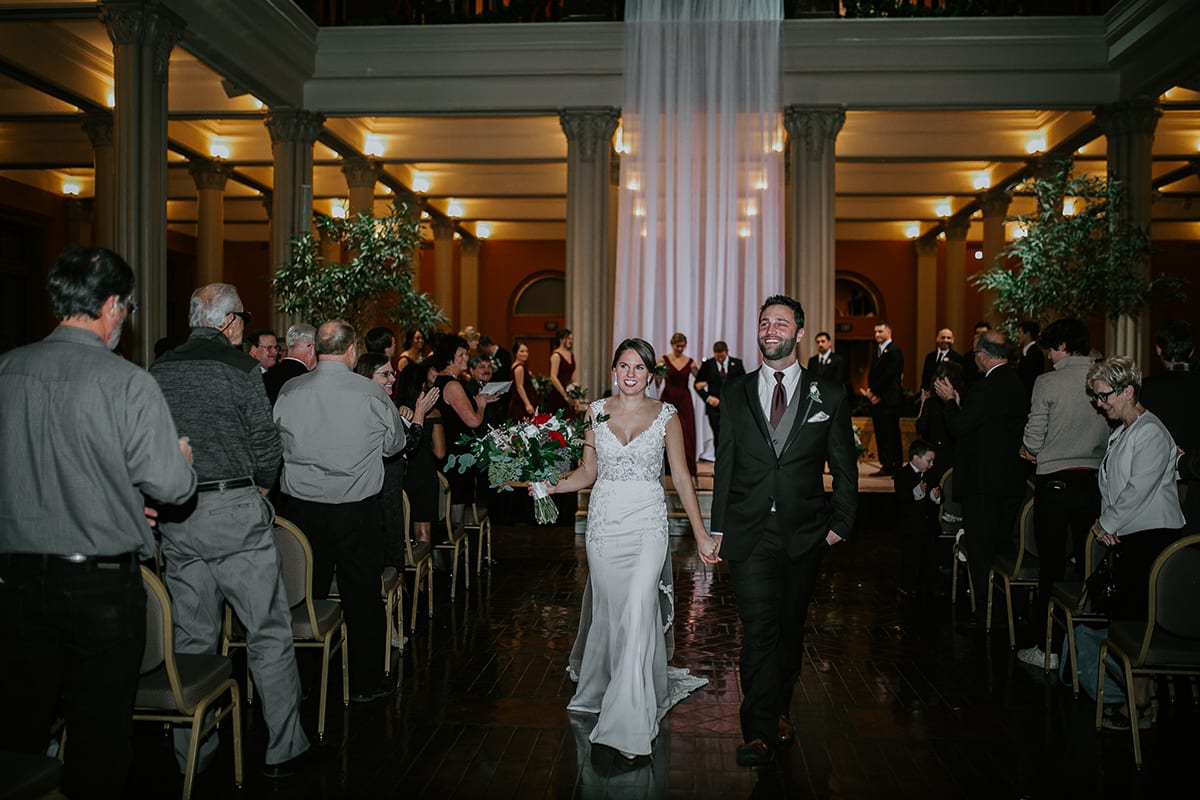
[562, 373]
[522, 397]
[677, 390]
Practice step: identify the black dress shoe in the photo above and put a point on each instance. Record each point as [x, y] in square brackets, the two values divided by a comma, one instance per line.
[286, 769]
[785, 732]
[754, 753]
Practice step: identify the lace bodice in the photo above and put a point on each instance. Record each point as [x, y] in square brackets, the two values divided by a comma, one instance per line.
[641, 459]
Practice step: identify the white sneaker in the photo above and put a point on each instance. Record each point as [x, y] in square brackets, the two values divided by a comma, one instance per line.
[1035, 657]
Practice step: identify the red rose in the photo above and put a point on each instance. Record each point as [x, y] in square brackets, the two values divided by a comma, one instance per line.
[541, 419]
[558, 437]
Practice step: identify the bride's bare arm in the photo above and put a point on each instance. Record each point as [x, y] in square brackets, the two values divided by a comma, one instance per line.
[706, 546]
[584, 475]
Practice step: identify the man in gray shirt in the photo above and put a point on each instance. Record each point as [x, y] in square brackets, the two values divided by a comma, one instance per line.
[85, 434]
[221, 545]
[336, 427]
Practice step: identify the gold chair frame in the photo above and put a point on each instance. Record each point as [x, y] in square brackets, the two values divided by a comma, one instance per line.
[1021, 572]
[456, 539]
[419, 566]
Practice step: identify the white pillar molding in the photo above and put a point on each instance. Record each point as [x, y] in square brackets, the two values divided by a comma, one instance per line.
[293, 132]
[1129, 126]
[956, 282]
[210, 178]
[361, 176]
[443, 265]
[590, 267]
[468, 281]
[99, 127]
[927, 305]
[811, 242]
[994, 206]
[143, 33]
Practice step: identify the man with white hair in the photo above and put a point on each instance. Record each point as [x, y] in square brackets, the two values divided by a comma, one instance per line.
[220, 546]
[301, 357]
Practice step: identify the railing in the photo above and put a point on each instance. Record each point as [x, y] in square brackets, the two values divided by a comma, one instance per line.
[446, 12]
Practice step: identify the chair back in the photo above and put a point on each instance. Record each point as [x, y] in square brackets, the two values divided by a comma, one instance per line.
[443, 501]
[1026, 539]
[295, 560]
[949, 507]
[408, 541]
[158, 624]
[1175, 588]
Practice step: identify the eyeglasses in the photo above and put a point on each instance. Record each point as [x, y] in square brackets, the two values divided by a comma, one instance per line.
[244, 316]
[130, 306]
[1102, 397]
[387, 373]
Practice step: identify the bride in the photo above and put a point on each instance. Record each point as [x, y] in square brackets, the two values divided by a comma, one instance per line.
[620, 655]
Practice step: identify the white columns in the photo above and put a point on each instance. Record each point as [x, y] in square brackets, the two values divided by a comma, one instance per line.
[589, 276]
[293, 132]
[361, 176]
[143, 34]
[811, 268]
[99, 129]
[995, 209]
[443, 275]
[468, 281]
[956, 283]
[1129, 126]
[210, 181]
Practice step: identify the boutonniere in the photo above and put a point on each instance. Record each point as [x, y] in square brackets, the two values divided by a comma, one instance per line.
[814, 392]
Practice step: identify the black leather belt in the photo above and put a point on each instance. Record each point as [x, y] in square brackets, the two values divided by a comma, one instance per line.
[128, 561]
[220, 486]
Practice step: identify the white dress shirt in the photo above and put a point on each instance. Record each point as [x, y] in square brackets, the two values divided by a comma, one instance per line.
[766, 385]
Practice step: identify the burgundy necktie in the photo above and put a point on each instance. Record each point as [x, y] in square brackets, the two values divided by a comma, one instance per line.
[721, 368]
[778, 401]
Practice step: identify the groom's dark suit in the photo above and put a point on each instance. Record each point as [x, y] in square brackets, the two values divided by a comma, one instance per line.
[770, 504]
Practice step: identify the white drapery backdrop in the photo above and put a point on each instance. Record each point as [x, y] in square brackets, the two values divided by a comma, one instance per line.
[700, 222]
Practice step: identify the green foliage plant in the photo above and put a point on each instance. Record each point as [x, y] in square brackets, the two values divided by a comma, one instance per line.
[375, 281]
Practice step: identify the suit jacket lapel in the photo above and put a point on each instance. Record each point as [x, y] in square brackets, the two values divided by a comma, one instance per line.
[751, 386]
[801, 417]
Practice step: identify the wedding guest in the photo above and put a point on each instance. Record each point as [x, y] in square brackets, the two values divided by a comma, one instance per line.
[336, 429]
[381, 340]
[970, 369]
[943, 351]
[562, 375]
[883, 390]
[826, 363]
[1139, 504]
[85, 434]
[522, 398]
[300, 358]
[502, 360]
[710, 382]
[917, 501]
[414, 349]
[932, 425]
[1032, 362]
[678, 371]
[220, 546]
[426, 449]
[263, 348]
[460, 415]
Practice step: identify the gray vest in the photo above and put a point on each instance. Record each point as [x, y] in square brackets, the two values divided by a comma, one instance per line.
[780, 434]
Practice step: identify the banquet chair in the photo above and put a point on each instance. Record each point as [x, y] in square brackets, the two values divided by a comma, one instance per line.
[316, 624]
[1168, 641]
[456, 538]
[950, 523]
[182, 687]
[418, 561]
[1065, 596]
[479, 521]
[393, 610]
[1019, 568]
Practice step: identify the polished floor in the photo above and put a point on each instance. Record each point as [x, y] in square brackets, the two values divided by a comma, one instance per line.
[893, 703]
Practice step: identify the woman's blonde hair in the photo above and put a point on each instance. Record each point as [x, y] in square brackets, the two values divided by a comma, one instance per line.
[1118, 372]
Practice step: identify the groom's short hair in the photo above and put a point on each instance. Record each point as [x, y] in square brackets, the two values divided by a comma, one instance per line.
[784, 300]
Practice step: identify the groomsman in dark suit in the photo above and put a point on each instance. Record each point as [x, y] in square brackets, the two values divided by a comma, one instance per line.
[711, 379]
[943, 352]
[502, 360]
[883, 390]
[1032, 361]
[989, 473]
[780, 426]
[826, 363]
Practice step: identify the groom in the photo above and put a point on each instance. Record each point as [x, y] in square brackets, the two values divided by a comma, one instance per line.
[779, 426]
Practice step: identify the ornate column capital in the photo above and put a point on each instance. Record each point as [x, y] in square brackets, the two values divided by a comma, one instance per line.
[360, 172]
[926, 247]
[1129, 117]
[442, 228]
[143, 23]
[994, 203]
[294, 125]
[99, 127]
[469, 246]
[956, 229]
[209, 174]
[588, 130]
[815, 128]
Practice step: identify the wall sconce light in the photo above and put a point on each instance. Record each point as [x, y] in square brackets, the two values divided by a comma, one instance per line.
[978, 255]
[483, 229]
[981, 181]
[420, 182]
[218, 147]
[454, 209]
[1068, 206]
[337, 208]
[374, 144]
[912, 230]
[1036, 143]
[70, 187]
[943, 208]
[110, 99]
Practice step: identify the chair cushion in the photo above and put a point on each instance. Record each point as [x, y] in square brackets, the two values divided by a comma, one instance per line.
[474, 524]
[199, 674]
[420, 552]
[328, 613]
[1166, 650]
[1006, 563]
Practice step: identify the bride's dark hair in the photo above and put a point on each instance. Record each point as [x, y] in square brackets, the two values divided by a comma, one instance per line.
[639, 346]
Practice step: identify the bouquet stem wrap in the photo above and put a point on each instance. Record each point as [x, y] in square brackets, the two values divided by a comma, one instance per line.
[545, 511]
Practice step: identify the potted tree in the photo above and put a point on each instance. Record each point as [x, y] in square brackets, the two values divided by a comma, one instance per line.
[375, 281]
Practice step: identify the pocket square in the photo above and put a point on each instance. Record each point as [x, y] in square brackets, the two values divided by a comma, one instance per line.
[820, 416]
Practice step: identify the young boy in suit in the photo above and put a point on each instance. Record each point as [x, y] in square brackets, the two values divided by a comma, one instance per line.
[917, 501]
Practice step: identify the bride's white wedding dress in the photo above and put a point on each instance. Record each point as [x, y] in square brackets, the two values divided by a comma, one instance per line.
[625, 636]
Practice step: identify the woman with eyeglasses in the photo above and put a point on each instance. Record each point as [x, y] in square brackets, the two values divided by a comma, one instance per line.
[1139, 503]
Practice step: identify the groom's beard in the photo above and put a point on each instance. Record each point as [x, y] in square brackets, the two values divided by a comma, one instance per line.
[782, 350]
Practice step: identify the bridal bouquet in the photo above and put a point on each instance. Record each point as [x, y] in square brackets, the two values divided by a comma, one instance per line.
[536, 451]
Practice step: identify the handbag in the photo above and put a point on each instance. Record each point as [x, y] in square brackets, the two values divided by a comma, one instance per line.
[1099, 587]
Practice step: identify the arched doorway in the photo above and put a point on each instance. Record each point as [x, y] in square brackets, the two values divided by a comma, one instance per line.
[537, 310]
[858, 304]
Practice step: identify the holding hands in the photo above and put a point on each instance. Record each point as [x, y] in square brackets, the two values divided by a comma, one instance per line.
[708, 547]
